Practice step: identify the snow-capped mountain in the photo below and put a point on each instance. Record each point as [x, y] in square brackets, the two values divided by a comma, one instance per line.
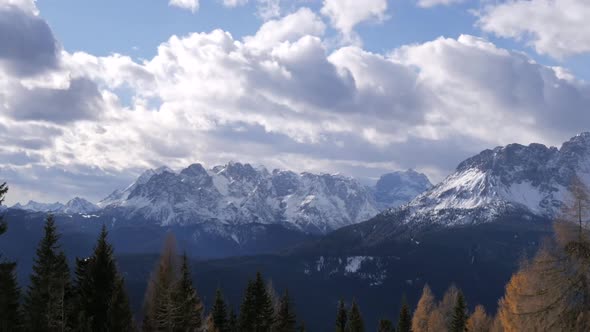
[515, 184]
[39, 207]
[80, 206]
[236, 194]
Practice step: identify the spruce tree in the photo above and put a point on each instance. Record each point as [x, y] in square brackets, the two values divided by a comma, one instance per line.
[355, 320]
[385, 325]
[10, 314]
[404, 323]
[232, 322]
[48, 302]
[219, 313]
[256, 312]
[285, 320]
[102, 302]
[190, 307]
[459, 321]
[341, 317]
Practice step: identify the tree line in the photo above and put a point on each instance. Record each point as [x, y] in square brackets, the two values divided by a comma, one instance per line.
[549, 292]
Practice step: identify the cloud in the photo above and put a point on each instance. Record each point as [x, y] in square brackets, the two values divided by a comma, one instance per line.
[558, 28]
[279, 97]
[234, 3]
[433, 3]
[27, 43]
[192, 5]
[268, 9]
[344, 15]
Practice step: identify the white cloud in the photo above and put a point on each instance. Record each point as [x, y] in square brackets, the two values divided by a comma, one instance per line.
[192, 5]
[234, 3]
[433, 3]
[344, 15]
[269, 9]
[280, 98]
[558, 28]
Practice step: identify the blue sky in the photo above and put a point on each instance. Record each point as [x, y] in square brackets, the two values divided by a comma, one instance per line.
[98, 91]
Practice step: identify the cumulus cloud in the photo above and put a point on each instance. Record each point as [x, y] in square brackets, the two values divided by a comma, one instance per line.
[344, 15]
[433, 3]
[281, 98]
[192, 5]
[234, 3]
[558, 28]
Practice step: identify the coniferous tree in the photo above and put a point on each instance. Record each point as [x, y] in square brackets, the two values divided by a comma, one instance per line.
[219, 313]
[256, 312]
[459, 322]
[232, 321]
[48, 302]
[355, 320]
[285, 320]
[10, 314]
[341, 317]
[479, 321]
[190, 307]
[385, 325]
[102, 302]
[160, 307]
[404, 323]
[423, 311]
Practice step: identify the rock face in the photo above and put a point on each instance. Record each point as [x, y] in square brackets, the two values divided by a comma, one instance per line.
[237, 194]
[515, 182]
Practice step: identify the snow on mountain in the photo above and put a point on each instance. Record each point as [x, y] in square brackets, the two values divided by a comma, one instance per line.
[80, 206]
[533, 178]
[238, 193]
[397, 188]
[39, 207]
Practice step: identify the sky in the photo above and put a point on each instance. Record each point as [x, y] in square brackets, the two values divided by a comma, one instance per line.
[95, 92]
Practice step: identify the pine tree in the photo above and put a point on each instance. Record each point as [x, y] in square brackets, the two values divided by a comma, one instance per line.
[423, 311]
[3, 191]
[49, 297]
[102, 300]
[232, 322]
[256, 312]
[285, 320]
[385, 325]
[160, 307]
[404, 323]
[219, 313]
[190, 307]
[355, 320]
[341, 317]
[459, 322]
[10, 314]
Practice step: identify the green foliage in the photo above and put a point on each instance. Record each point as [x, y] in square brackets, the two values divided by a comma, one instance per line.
[10, 314]
[404, 323]
[285, 320]
[100, 291]
[459, 322]
[355, 321]
[219, 313]
[232, 323]
[189, 315]
[256, 312]
[341, 317]
[48, 303]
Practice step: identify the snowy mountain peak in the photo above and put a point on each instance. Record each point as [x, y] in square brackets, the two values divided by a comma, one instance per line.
[80, 206]
[400, 187]
[39, 207]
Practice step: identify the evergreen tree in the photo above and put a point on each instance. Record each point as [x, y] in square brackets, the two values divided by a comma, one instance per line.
[355, 321]
[285, 320]
[301, 328]
[232, 322]
[479, 321]
[10, 314]
[48, 300]
[160, 307]
[190, 307]
[404, 323]
[459, 322]
[341, 317]
[102, 300]
[385, 325]
[219, 313]
[256, 312]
